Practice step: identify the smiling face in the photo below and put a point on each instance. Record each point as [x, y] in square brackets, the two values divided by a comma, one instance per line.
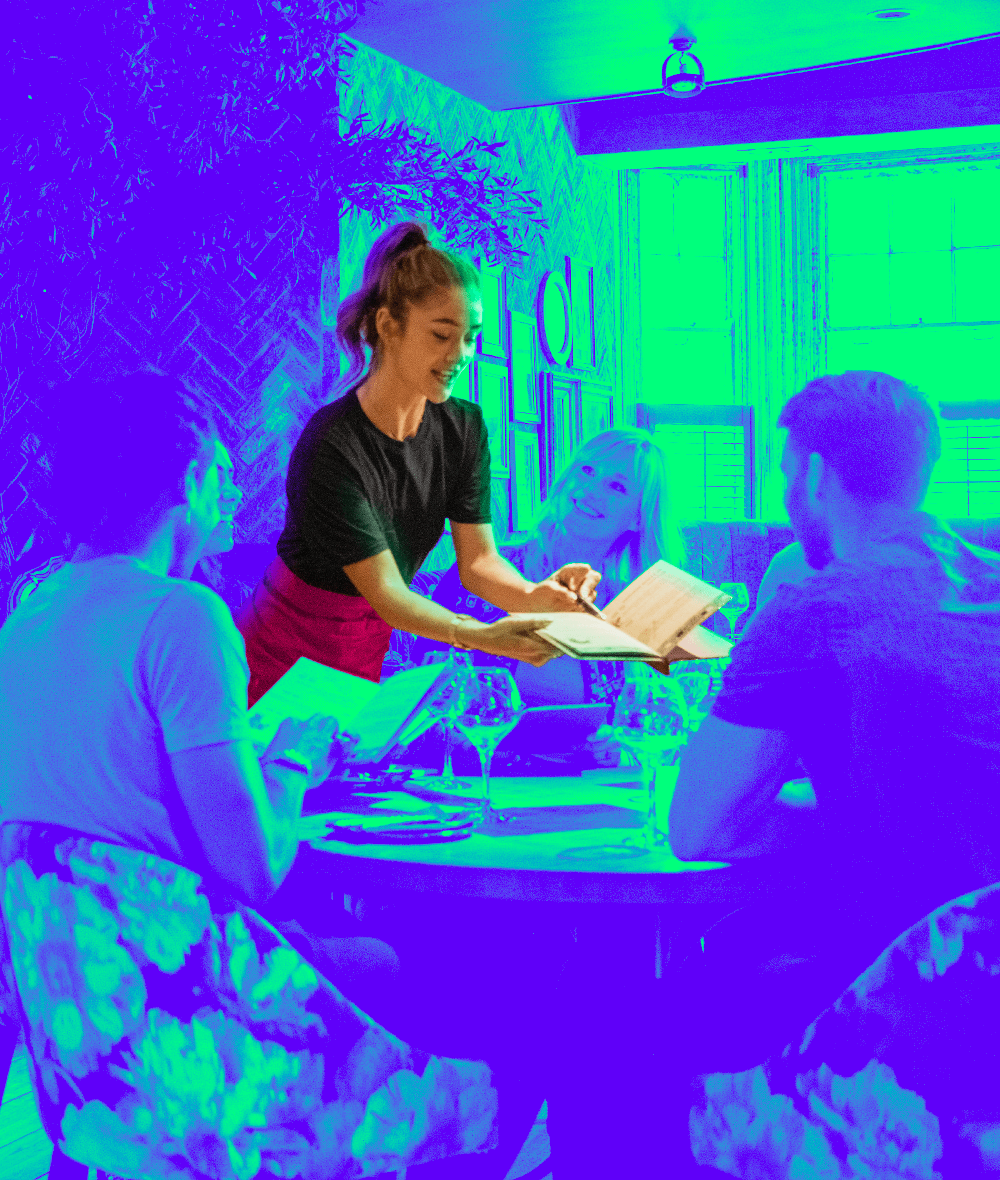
[230, 498]
[439, 342]
[600, 498]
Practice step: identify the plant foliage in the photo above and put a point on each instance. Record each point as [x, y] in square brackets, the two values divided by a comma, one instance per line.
[165, 131]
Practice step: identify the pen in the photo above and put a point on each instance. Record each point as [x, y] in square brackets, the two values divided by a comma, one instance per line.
[589, 606]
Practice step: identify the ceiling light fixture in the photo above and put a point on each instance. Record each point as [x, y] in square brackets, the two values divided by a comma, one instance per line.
[683, 73]
[890, 13]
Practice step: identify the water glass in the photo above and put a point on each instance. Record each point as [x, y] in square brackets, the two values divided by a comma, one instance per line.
[737, 606]
[448, 704]
[651, 721]
[491, 708]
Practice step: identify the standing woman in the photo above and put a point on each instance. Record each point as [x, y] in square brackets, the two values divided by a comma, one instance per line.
[373, 478]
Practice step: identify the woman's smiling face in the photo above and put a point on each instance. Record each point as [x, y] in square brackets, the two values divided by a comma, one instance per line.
[600, 498]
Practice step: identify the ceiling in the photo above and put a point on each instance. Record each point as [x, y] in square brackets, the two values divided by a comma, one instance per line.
[508, 54]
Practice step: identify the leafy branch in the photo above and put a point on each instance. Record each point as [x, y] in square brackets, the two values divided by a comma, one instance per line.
[198, 123]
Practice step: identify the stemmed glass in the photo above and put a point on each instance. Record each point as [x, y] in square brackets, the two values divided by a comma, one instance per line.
[491, 708]
[448, 705]
[736, 606]
[650, 721]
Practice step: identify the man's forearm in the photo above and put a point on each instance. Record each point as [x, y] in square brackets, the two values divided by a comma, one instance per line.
[777, 827]
[286, 787]
[494, 579]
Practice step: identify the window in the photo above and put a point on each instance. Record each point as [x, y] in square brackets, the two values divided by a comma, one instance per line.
[913, 289]
[686, 319]
[966, 480]
[706, 465]
[709, 453]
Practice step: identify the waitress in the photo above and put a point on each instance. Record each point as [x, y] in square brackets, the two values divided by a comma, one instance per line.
[373, 478]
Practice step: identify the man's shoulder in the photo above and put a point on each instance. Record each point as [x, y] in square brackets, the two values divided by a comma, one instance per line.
[184, 602]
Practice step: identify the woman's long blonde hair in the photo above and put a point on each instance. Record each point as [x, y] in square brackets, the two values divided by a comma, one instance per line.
[658, 536]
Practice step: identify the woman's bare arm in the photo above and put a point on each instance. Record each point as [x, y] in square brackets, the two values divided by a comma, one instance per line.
[378, 579]
[485, 573]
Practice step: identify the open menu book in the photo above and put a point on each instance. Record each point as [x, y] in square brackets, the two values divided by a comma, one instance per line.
[381, 716]
[657, 617]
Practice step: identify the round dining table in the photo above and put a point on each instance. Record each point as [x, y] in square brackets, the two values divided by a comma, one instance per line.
[564, 846]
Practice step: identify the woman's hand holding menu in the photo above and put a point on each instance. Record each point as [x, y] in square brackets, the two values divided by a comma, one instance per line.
[558, 592]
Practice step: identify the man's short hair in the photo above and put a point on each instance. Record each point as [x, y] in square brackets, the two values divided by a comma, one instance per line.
[878, 433]
[123, 446]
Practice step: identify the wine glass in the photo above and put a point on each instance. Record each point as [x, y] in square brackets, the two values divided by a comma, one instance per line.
[448, 704]
[491, 708]
[736, 606]
[651, 721]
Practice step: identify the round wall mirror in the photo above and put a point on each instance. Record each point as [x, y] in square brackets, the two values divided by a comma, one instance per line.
[555, 322]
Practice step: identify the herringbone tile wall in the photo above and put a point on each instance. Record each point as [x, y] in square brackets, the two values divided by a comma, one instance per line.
[248, 329]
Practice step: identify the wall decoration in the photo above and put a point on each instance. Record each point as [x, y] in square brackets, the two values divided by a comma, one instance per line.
[491, 337]
[525, 400]
[595, 409]
[581, 286]
[554, 314]
[563, 416]
[526, 484]
[491, 382]
[500, 510]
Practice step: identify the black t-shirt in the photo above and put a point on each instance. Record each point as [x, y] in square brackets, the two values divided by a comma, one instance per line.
[354, 492]
[885, 671]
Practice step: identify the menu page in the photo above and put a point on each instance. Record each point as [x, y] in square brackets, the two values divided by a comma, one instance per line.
[587, 638]
[662, 605]
[308, 688]
[400, 705]
[701, 644]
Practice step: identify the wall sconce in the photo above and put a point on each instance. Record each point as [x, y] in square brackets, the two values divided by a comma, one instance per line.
[683, 73]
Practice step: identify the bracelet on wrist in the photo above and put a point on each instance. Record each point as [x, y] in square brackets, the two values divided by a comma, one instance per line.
[454, 628]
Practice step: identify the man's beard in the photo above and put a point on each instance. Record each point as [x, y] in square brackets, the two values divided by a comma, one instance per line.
[811, 533]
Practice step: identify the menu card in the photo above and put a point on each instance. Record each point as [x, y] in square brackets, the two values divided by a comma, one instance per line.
[656, 617]
[380, 715]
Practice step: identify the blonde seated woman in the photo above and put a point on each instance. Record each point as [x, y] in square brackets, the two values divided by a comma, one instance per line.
[609, 506]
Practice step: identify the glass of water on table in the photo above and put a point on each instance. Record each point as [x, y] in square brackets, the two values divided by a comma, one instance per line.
[491, 708]
[738, 604]
[650, 721]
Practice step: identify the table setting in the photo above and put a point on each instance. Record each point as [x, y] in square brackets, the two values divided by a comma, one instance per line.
[644, 732]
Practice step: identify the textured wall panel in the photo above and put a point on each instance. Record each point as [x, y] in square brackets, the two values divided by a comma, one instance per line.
[579, 201]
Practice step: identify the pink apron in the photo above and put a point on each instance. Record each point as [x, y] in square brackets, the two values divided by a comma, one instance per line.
[286, 618]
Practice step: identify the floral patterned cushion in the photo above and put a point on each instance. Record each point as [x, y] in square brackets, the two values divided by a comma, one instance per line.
[897, 1079]
[171, 1033]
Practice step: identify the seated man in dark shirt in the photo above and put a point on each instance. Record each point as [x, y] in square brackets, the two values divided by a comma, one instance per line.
[881, 671]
